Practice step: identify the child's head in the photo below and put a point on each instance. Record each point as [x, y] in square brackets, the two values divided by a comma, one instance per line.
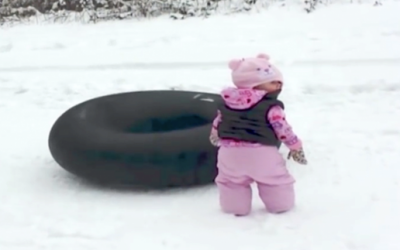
[256, 72]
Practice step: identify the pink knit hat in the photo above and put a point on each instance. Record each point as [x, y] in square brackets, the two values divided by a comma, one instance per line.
[250, 72]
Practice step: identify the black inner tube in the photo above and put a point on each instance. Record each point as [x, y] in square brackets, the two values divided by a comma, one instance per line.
[151, 138]
[157, 125]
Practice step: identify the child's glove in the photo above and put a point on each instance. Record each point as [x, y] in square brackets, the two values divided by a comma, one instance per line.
[214, 139]
[298, 156]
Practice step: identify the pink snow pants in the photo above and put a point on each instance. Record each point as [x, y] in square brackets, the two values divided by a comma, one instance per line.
[240, 166]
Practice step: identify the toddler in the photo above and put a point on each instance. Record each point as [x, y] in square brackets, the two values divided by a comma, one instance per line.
[248, 130]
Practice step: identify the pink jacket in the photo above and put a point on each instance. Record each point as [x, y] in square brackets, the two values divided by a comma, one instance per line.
[245, 98]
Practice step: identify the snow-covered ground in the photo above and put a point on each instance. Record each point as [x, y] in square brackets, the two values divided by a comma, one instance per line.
[342, 92]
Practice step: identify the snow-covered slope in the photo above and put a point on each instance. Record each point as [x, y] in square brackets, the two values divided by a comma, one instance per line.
[342, 93]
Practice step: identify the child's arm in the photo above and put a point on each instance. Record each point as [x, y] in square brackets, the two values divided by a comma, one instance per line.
[283, 130]
[214, 139]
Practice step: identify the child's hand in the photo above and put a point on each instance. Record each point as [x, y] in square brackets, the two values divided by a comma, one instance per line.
[298, 156]
[214, 139]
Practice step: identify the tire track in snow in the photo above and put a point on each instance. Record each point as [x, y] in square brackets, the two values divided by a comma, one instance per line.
[202, 65]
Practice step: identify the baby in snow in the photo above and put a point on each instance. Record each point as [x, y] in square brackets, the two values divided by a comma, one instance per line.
[248, 130]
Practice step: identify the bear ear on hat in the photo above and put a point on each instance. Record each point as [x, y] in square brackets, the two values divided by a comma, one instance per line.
[263, 56]
[234, 64]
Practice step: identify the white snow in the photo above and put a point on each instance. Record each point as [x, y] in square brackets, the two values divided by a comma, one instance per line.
[342, 95]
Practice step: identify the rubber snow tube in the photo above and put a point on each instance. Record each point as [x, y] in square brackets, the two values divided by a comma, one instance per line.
[153, 139]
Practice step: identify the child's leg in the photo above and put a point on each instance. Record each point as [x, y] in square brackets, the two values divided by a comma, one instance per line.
[234, 196]
[235, 192]
[275, 183]
[277, 198]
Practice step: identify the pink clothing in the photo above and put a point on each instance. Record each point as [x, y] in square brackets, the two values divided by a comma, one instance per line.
[253, 71]
[241, 163]
[238, 167]
[238, 99]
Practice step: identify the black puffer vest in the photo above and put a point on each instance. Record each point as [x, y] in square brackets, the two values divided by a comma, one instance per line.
[250, 124]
